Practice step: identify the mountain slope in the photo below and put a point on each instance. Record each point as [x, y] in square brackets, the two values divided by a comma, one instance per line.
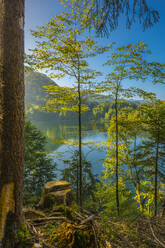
[34, 92]
[35, 95]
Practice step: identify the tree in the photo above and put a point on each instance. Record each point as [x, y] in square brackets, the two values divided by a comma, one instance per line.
[132, 136]
[63, 50]
[12, 119]
[89, 180]
[154, 124]
[141, 155]
[105, 198]
[128, 63]
[105, 14]
[39, 168]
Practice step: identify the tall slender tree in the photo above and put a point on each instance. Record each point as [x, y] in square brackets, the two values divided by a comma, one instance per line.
[128, 63]
[154, 123]
[12, 118]
[130, 132]
[131, 136]
[62, 49]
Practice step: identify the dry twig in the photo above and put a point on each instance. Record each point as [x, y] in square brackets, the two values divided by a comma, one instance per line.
[156, 239]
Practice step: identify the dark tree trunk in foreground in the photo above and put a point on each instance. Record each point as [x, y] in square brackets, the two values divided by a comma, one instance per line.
[12, 119]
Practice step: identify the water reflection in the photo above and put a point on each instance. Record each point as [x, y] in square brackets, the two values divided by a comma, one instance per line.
[58, 133]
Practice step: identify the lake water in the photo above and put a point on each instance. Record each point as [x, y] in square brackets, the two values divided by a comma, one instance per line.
[58, 134]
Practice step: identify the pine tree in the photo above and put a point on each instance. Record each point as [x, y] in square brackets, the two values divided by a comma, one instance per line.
[39, 168]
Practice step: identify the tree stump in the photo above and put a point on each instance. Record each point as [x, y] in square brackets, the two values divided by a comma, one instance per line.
[56, 193]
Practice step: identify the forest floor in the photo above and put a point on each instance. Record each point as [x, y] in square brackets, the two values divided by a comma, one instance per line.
[68, 227]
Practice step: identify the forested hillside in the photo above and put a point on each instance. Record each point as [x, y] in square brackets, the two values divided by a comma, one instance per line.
[35, 96]
[34, 92]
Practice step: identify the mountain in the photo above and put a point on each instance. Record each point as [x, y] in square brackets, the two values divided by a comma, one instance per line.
[35, 95]
[34, 92]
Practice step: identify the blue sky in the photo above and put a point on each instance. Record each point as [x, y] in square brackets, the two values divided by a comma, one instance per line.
[38, 12]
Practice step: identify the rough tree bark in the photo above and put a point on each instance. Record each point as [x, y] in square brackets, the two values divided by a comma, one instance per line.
[12, 119]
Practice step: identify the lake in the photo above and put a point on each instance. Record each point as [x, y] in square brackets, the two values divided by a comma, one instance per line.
[60, 133]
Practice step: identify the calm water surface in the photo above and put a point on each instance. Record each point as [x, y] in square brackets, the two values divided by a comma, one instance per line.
[59, 150]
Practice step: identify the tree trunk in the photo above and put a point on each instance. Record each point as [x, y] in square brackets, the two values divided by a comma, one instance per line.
[138, 184]
[80, 144]
[156, 176]
[117, 152]
[12, 119]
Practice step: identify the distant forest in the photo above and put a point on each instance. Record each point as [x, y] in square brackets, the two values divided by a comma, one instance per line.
[35, 96]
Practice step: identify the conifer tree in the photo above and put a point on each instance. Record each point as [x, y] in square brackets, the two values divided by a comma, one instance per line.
[106, 14]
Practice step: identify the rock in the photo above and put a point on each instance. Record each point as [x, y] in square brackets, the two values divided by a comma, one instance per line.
[56, 193]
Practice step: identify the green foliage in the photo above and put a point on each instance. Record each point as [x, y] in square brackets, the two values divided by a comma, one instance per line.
[67, 235]
[35, 96]
[38, 167]
[153, 151]
[105, 200]
[48, 201]
[62, 48]
[23, 234]
[68, 211]
[70, 174]
[141, 132]
[127, 63]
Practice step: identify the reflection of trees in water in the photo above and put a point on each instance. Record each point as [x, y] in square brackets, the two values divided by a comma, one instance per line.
[58, 131]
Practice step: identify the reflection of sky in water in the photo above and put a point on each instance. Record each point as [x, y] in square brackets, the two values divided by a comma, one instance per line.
[58, 131]
[91, 152]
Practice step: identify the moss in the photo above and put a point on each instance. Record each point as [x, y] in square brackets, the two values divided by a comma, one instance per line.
[7, 204]
[83, 239]
[32, 213]
[70, 236]
[48, 201]
[66, 211]
[15, 236]
[23, 233]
